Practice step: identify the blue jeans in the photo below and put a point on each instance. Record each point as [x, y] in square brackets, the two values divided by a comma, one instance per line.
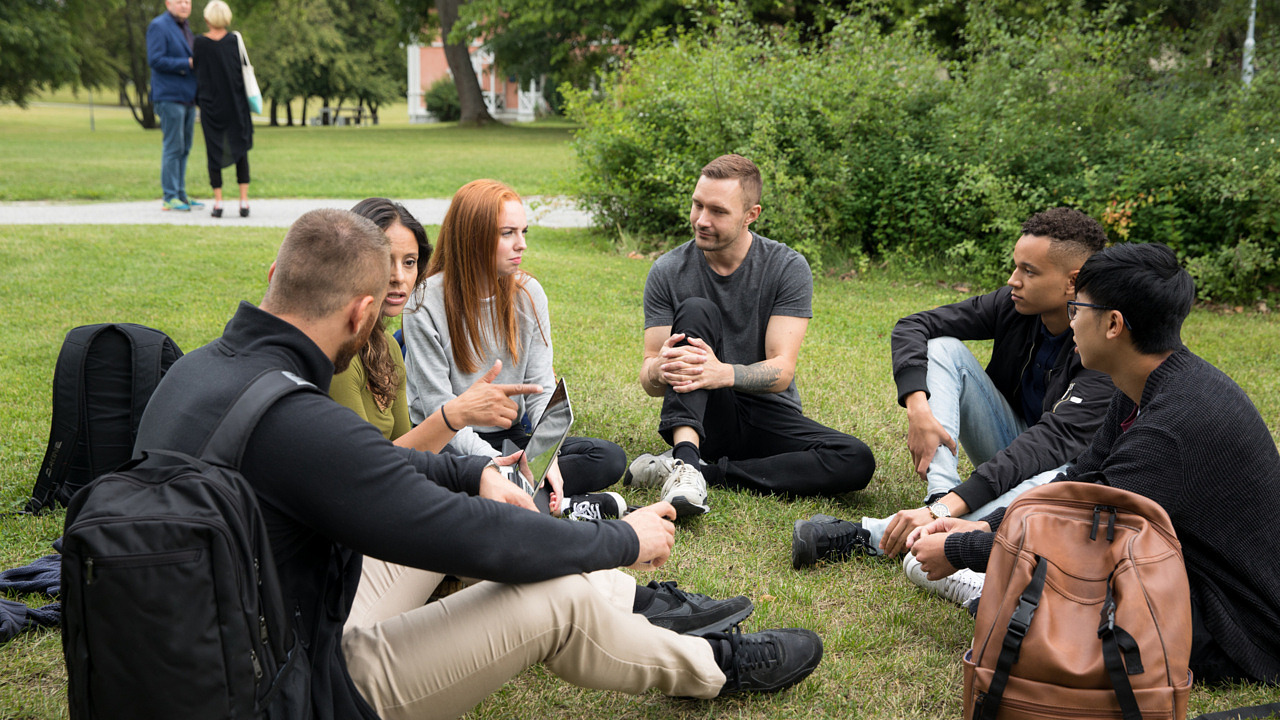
[971, 409]
[178, 123]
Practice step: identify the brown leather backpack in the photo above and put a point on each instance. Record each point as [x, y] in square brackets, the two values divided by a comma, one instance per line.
[1085, 612]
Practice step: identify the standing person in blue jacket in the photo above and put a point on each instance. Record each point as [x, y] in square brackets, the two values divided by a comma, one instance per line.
[173, 92]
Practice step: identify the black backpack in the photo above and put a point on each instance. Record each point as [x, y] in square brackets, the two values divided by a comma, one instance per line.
[171, 603]
[104, 377]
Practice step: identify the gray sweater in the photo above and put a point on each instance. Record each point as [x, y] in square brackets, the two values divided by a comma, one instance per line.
[433, 379]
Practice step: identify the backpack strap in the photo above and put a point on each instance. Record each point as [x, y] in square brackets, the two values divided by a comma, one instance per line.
[226, 444]
[148, 347]
[988, 704]
[1121, 655]
[67, 424]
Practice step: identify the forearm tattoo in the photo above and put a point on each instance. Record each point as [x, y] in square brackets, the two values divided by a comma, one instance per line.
[757, 378]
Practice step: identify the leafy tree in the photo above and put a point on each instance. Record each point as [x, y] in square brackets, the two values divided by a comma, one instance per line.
[37, 49]
[110, 39]
[371, 29]
[574, 40]
[419, 16]
[335, 50]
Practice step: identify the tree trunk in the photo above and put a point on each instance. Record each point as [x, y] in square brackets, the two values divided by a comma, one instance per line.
[470, 98]
[274, 121]
[288, 112]
[139, 69]
[304, 111]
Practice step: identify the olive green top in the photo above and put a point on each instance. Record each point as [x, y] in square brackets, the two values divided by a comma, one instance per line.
[350, 388]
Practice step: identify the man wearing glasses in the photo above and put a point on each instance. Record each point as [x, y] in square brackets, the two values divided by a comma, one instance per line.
[1182, 433]
[1021, 421]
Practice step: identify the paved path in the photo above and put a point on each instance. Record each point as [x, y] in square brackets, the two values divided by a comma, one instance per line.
[552, 212]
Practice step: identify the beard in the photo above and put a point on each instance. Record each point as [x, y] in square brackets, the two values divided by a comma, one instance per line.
[348, 349]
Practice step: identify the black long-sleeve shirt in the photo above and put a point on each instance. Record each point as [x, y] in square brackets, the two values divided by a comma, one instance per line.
[1200, 449]
[333, 488]
[1075, 398]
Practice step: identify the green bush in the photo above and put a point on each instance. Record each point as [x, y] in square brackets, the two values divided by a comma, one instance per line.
[1232, 275]
[872, 146]
[442, 100]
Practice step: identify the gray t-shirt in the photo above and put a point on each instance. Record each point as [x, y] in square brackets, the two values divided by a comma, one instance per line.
[772, 280]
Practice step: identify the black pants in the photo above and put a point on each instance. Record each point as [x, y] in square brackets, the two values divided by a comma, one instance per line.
[586, 464]
[754, 441]
[242, 171]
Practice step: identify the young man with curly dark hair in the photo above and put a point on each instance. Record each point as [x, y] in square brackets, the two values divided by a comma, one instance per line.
[1021, 421]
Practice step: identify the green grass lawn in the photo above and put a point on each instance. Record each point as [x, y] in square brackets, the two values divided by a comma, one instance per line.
[891, 650]
[49, 153]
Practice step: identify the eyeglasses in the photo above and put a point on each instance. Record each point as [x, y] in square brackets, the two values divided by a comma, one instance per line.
[1072, 307]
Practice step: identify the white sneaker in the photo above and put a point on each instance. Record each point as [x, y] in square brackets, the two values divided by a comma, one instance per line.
[961, 587]
[649, 470]
[686, 490]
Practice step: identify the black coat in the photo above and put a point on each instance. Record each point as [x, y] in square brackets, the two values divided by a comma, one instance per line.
[220, 94]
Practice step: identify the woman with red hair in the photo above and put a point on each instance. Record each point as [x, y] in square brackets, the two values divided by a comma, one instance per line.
[477, 307]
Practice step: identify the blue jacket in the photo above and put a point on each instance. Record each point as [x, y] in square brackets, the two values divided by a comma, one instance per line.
[168, 54]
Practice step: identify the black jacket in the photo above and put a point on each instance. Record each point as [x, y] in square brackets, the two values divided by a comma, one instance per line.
[1075, 399]
[332, 488]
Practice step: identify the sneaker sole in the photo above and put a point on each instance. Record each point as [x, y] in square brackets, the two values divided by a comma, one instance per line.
[687, 508]
[723, 625]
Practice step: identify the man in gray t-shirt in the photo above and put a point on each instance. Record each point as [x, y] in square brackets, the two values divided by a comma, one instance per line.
[724, 317]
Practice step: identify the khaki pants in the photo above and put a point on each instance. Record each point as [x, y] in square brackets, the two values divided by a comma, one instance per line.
[411, 660]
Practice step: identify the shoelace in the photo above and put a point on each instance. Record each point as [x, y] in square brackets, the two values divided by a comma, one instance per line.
[682, 596]
[586, 510]
[687, 476]
[961, 586]
[845, 545]
[751, 654]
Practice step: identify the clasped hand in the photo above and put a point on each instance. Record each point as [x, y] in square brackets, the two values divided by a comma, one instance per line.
[692, 366]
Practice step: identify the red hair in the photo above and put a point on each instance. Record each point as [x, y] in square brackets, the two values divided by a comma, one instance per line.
[465, 254]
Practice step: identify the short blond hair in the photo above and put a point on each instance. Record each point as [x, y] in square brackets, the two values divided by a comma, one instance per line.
[217, 14]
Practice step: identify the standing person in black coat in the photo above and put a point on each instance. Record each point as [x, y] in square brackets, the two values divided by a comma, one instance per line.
[224, 107]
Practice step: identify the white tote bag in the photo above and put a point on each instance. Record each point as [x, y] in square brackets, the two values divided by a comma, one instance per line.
[250, 80]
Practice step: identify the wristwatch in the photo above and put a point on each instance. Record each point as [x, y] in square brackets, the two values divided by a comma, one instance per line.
[938, 510]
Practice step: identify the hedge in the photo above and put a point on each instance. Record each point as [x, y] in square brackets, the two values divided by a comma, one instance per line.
[873, 147]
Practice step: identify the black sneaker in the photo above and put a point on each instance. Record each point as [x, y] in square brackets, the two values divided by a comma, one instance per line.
[769, 661]
[595, 506]
[694, 614]
[823, 537]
